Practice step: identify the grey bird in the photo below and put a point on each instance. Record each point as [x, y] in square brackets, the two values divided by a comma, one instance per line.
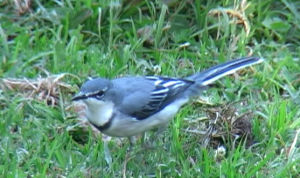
[128, 106]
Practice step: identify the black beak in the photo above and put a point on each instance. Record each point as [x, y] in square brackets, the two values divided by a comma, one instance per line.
[79, 96]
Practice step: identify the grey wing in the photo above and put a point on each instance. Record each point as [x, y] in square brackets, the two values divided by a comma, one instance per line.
[154, 94]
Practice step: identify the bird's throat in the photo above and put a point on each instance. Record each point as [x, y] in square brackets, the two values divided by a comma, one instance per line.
[99, 113]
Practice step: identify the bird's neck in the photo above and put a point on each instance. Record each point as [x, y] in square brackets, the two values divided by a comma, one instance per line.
[99, 113]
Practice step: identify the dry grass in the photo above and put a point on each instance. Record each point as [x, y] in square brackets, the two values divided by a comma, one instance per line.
[43, 89]
[227, 125]
[22, 6]
[238, 15]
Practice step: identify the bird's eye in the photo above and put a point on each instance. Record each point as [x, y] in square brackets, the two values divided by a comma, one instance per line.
[99, 95]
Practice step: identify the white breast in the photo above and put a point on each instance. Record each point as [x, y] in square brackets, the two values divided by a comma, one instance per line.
[99, 112]
[124, 126]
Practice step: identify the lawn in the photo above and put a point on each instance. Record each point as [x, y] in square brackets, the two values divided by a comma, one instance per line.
[245, 125]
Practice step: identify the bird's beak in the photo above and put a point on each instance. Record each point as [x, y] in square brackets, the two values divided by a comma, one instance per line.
[79, 96]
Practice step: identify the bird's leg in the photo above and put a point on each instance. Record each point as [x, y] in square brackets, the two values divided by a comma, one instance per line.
[158, 134]
[143, 138]
[107, 154]
[150, 144]
[132, 141]
[161, 129]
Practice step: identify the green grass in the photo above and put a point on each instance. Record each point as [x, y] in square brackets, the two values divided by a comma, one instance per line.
[108, 39]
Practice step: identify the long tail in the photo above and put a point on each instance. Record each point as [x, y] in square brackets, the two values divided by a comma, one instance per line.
[214, 73]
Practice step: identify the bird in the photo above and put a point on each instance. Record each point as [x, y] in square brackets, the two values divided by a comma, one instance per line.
[131, 105]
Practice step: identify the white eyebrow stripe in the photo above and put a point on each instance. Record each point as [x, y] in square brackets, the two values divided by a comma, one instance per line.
[92, 93]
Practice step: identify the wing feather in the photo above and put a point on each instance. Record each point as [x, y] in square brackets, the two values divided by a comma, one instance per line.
[165, 91]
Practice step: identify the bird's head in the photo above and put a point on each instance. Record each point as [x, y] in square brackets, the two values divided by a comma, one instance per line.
[93, 89]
